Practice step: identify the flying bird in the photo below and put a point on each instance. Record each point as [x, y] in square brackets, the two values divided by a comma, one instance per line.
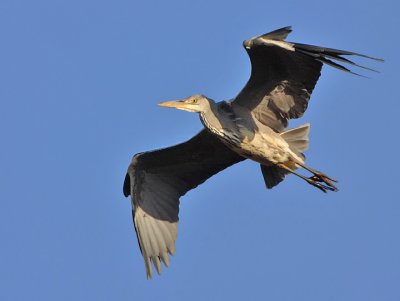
[251, 126]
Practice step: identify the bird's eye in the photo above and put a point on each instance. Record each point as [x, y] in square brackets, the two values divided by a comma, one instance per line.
[192, 101]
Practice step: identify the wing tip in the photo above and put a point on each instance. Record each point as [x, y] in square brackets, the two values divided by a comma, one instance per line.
[156, 262]
[326, 55]
[156, 240]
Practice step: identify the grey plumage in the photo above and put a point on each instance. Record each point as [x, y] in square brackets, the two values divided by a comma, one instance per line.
[251, 126]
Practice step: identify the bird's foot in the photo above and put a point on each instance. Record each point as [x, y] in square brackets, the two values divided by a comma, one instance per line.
[320, 186]
[320, 177]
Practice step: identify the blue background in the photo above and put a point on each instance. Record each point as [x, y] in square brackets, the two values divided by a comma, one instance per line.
[79, 84]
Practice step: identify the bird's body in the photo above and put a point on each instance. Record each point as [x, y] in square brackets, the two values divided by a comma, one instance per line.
[251, 126]
[247, 137]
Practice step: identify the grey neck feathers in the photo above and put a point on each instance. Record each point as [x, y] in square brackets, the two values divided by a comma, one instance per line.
[218, 118]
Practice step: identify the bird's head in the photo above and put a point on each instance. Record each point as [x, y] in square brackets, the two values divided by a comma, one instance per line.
[196, 103]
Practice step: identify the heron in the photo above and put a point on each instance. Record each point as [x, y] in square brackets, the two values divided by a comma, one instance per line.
[252, 126]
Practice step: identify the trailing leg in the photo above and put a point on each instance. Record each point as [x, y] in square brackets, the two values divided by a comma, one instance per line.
[318, 176]
[311, 180]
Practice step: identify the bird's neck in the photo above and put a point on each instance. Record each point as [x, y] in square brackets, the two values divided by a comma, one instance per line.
[216, 119]
[209, 118]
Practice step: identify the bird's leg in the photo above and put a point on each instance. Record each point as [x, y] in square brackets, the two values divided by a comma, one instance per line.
[319, 176]
[316, 172]
[311, 181]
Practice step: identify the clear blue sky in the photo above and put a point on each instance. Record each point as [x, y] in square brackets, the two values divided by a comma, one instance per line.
[79, 84]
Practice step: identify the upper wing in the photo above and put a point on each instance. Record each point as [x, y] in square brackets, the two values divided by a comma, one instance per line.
[283, 76]
[155, 181]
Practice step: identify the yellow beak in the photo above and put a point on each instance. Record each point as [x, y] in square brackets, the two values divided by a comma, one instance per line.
[173, 104]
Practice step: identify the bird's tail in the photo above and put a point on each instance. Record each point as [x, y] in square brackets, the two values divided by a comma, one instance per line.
[297, 139]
